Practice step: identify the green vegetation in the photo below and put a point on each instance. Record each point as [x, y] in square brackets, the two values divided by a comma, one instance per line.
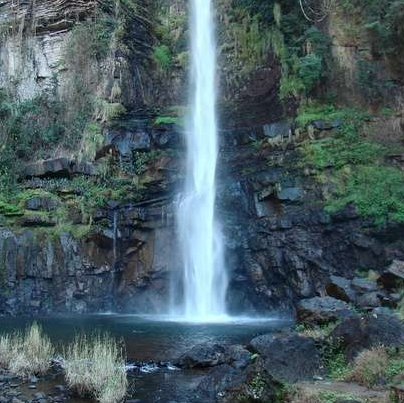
[354, 165]
[257, 27]
[161, 120]
[383, 21]
[316, 332]
[171, 48]
[335, 361]
[27, 129]
[163, 57]
[92, 38]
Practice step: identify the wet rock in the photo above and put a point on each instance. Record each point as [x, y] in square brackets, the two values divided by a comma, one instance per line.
[282, 129]
[369, 300]
[393, 275]
[51, 167]
[289, 358]
[36, 220]
[32, 379]
[346, 214]
[125, 142]
[237, 356]
[289, 194]
[226, 384]
[202, 356]
[39, 395]
[16, 400]
[364, 285]
[355, 334]
[326, 124]
[41, 203]
[322, 310]
[59, 167]
[341, 288]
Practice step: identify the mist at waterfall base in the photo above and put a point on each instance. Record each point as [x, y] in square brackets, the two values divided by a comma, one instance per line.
[204, 278]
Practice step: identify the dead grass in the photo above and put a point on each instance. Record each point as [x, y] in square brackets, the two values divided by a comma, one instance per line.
[28, 354]
[96, 366]
[370, 367]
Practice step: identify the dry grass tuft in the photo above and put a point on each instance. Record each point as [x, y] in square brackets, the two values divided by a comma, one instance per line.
[96, 366]
[27, 354]
[9, 347]
[370, 367]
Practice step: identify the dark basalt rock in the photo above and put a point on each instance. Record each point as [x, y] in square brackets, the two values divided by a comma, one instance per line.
[226, 384]
[359, 333]
[369, 300]
[42, 203]
[202, 356]
[276, 129]
[59, 167]
[212, 354]
[393, 275]
[289, 194]
[289, 358]
[364, 285]
[341, 288]
[322, 310]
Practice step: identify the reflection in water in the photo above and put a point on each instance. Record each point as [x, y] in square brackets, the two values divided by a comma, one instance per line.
[151, 341]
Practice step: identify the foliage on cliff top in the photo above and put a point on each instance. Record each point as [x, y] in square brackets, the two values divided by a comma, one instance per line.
[354, 165]
[383, 21]
[257, 27]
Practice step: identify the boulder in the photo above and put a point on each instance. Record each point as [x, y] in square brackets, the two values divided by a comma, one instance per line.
[340, 288]
[202, 356]
[289, 193]
[393, 275]
[369, 300]
[327, 124]
[36, 220]
[212, 354]
[59, 167]
[288, 357]
[364, 285]
[282, 129]
[322, 310]
[125, 142]
[358, 333]
[226, 384]
[41, 203]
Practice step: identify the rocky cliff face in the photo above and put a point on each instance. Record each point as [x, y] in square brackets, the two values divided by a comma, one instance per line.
[91, 224]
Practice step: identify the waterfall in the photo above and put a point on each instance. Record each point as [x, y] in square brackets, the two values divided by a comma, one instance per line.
[204, 276]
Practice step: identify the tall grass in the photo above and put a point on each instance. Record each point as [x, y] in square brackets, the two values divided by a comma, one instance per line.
[96, 366]
[27, 354]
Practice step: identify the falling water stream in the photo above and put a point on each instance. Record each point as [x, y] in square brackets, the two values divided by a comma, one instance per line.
[204, 275]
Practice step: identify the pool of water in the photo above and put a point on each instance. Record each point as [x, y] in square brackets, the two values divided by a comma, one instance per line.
[151, 339]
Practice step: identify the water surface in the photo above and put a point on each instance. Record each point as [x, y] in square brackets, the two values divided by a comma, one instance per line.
[148, 340]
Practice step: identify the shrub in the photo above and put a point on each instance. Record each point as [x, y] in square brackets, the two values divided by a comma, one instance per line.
[375, 191]
[370, 366]
[163, 57]
[26, 355]
[96, 367]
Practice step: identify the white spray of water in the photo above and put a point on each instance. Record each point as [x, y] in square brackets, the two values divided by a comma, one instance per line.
[204, 276]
